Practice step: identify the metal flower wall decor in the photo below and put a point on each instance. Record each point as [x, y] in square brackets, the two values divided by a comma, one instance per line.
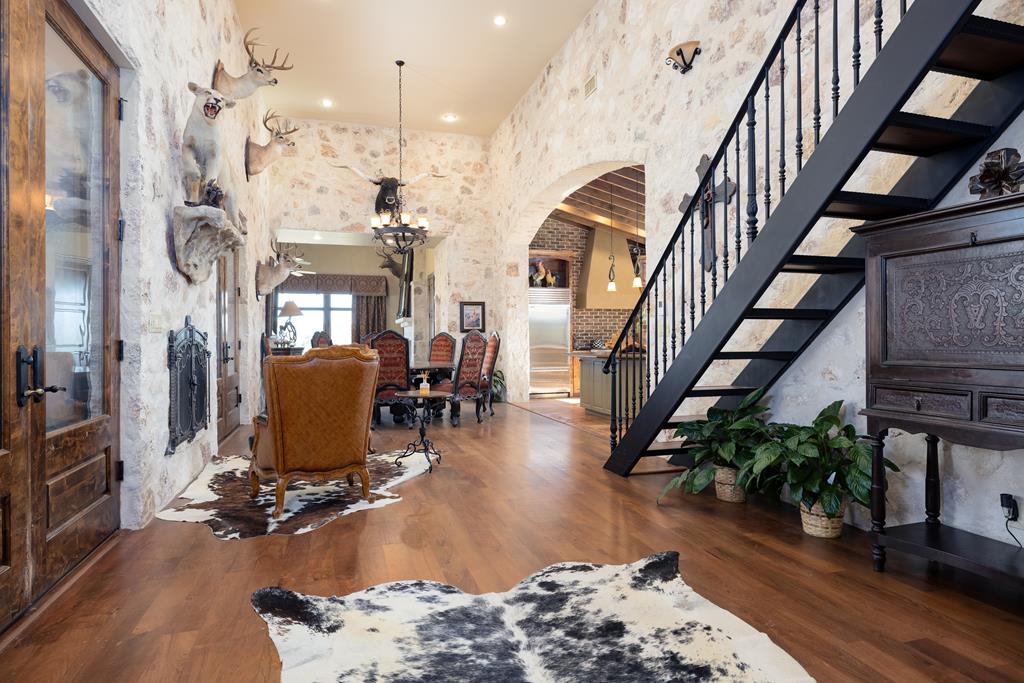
[1000, 173]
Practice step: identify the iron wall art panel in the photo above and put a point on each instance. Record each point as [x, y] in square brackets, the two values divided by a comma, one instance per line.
[188, 360]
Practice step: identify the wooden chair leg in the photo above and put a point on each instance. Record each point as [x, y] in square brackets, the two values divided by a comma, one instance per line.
[351, 479]
[490, 402]
[364, 479]
[456, 412]
[282, 484]
[254, 483]
[479, 407]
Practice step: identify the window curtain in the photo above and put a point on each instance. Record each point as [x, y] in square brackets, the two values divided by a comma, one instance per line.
[369, 316]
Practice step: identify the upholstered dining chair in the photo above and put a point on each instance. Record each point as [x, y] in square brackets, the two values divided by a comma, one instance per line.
[487, 379]
[393, 350]
[466, 384]
[442, 348]
[317, 425]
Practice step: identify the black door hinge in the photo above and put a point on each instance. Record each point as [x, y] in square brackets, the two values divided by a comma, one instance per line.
[121, 102]
[239, 291]
[120, 230]
[120, 349]
[239, 395]
[119, 470]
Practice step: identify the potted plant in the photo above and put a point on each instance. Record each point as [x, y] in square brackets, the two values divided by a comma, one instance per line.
[825, 464]
[726, 442]
[499, 386]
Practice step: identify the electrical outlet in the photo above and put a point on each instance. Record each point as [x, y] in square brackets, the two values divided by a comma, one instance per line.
[1008, 504]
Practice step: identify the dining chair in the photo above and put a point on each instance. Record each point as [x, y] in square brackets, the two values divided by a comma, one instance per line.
[466, 385]
[490, 360]
[393, 350]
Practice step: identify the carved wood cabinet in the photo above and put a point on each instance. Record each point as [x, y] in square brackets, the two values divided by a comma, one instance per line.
[945, 344]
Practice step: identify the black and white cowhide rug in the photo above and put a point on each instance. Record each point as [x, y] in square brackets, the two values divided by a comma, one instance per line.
[571, 622]
[219, 497]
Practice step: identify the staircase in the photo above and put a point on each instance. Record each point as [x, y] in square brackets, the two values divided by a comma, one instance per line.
[775, 175]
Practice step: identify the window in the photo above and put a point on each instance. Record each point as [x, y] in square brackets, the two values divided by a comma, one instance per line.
[330, 313]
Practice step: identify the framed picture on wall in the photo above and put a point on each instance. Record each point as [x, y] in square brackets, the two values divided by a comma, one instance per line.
[472, 315]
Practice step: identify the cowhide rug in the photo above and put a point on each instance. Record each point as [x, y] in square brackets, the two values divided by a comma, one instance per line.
[586, 623]
[219, 497]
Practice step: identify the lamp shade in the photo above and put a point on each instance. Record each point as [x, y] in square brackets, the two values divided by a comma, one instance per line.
[290, 309]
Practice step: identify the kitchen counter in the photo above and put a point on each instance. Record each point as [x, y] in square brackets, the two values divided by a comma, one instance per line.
[596, 386]
[590, 353]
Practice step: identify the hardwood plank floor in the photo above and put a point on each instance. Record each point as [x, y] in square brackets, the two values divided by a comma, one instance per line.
[517, 493]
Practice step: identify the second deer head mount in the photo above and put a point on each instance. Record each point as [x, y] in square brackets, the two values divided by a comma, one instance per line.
[278, 267]
[258, 157]
[260, 73]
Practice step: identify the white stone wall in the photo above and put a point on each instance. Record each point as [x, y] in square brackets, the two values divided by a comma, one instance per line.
[310, 193]
[162, 45]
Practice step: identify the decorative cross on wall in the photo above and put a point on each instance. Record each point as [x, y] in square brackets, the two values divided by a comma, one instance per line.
[1000, 173]
[709, 197]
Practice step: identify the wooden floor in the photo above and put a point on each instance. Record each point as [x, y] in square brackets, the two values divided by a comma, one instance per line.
[515, 494]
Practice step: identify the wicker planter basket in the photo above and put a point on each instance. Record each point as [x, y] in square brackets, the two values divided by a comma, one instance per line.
[816, 524]
[726, 487]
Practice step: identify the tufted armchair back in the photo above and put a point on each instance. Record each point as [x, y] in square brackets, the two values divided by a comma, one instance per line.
[442, 348]
[393, 350]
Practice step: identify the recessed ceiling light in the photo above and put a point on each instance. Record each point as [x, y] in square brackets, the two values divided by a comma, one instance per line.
[450, 118]
[326, 103]
[500, 20]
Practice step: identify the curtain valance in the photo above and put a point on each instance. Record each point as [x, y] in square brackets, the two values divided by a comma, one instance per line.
[324, 283]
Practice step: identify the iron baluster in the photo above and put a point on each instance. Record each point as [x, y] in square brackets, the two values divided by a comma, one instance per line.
[693, 276]
[664, 323]
[835, 59]
[682, 287]
[817, 74]
[657, 368]
[856, 43]
[725, 212]
[767, 147]
[751, 172]
[739, 176]
[799, 96]
[647, 365]
[878, 26]
[632, 370]
[614, 436]
[672, 245]
[703, 266]
[782, 118]
[903, 8]
[708, 216]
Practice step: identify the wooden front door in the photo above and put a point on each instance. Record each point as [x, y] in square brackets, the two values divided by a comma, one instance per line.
[60, 273]
[229, 399]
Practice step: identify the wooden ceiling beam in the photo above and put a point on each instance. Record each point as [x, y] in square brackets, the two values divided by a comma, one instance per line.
[595, 194]
[589, 219]
[621, 215]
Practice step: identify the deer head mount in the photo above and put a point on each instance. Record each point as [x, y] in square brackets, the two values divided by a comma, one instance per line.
[260, 73]
[390, 264]
[278, 267]
[387, 195]
[259, 157]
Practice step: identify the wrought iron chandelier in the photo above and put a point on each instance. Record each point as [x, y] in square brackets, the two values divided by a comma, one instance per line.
[398, 230]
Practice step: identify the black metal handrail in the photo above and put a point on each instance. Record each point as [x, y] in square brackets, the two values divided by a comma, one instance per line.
[737, 220]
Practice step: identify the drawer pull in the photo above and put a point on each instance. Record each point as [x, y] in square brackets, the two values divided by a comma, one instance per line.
[917, 403]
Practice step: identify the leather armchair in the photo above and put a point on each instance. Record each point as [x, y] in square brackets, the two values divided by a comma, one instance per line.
[319, 407]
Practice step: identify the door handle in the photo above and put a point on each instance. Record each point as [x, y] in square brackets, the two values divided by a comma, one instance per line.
[23, 391]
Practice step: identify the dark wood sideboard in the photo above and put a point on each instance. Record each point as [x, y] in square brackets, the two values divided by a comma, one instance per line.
[945, 345]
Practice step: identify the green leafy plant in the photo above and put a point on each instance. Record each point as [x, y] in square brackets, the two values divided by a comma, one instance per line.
[823, 462]
[499, 385]
[727, 438]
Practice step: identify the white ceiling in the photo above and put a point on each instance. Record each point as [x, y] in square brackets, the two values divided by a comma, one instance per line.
[457, 60]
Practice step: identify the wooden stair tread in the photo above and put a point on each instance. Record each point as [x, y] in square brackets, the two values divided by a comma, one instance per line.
[984, 49]
[677, 420]
[668, 448]
[788, 314]
[870, 207]
[823, 265]
[923, 136]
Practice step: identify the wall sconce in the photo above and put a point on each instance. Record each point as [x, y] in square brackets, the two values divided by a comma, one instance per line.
[681, 57]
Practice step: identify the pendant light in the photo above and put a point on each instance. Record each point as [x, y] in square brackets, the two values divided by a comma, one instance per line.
[638, 282]
[611, 239]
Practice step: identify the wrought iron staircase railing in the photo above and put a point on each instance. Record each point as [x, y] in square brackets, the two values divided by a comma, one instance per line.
[745, 183]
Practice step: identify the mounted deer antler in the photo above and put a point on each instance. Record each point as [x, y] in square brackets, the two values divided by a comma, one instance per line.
[259, 157]
[260, 73]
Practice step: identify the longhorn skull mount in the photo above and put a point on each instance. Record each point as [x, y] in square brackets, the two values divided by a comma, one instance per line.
[389, 198]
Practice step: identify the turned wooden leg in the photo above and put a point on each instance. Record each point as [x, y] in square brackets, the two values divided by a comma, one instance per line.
[456, 412]
[364, 477]
[932, 487]
[877, 442]
[254, 483]
[282, 484]
[479, 408]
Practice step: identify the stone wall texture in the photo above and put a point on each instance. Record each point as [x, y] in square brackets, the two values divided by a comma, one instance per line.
[162, 45]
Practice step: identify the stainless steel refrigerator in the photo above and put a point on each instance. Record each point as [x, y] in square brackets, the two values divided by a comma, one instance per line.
[550, 308]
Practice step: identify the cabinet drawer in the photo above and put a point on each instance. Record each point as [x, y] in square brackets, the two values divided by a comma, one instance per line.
[1002, 409]
[924, 401]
